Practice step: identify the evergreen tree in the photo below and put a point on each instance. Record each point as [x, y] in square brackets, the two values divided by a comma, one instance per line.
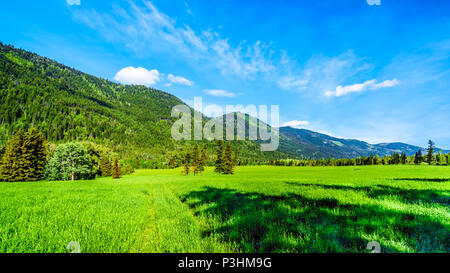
[430, 150]
[196, 160]
[2, 151]
[371, 160]
[34, 155]
[396, 159]
[228, 160]
[116, 170]
[219, 164]
[187, 162]
[203, 158]
[105, 166]
[418, 158]
[403, 158]
[24, 158]
[236, 157]
[12, 168]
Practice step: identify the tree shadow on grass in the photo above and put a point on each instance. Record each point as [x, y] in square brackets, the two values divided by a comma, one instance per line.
[257, 222]
[410, 196]
[424, 179]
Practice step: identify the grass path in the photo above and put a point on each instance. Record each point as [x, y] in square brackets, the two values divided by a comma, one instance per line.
[173, 228]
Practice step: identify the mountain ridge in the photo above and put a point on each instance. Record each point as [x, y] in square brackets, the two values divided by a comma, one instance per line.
[329, 146]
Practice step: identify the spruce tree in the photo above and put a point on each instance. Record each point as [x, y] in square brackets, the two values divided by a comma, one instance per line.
[24, 158]
[203, 158]
[116, 170]
[228, 160]
[187, 163]
[219, 164]
[34, 154]
[196, 159]
[430, 150]
[2, 151]
[403, 158]
[105, 168]
[11, 169]
[418, 158]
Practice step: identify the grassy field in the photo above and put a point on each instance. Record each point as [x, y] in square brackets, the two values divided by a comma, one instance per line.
[260, 209]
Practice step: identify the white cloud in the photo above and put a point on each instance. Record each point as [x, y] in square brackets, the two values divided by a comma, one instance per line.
[295, 124]
[137, 76]
[74, 2]
[361, 87]
[179, 80]
[220, 93]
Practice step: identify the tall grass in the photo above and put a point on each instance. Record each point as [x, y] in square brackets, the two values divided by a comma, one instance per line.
[260, 209]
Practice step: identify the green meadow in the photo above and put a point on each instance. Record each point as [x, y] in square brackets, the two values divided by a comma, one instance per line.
[259, 209]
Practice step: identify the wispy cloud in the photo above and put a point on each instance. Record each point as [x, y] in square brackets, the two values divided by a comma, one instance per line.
[188, 9]
[220, 93]
[137, 76]
[144, 27]
[291, 82]
[361, 87]
[179, 80]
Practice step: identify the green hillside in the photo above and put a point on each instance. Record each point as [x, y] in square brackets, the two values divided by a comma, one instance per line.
[66, 105]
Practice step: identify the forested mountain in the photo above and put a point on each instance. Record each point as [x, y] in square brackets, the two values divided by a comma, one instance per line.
[66, 104]
[135, 121]
[309, 144]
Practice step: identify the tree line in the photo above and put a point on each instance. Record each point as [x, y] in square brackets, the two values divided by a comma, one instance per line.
[196, 160]
[28, 157]
[431, 158]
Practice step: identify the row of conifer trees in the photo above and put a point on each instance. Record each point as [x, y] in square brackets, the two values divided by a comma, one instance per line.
[27, 157]
[194, 161]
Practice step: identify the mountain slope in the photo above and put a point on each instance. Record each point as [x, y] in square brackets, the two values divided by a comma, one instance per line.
[309, 144]
[66, 104]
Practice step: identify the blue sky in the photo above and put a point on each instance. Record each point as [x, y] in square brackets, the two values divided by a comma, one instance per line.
[342, 67]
